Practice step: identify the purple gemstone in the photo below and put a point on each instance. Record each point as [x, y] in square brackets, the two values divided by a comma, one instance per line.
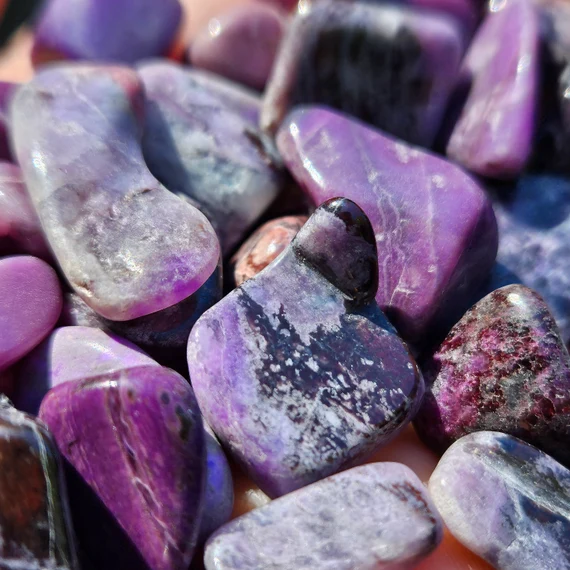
[434, 226]
[126, 245]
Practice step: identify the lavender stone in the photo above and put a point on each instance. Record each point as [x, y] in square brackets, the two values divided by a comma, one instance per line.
[494, 133]
[434, 226]
[127, 246]
[371, 517]
[298, 371]
[144, 426]
[506, 501]
[387, 65]
[198, 146]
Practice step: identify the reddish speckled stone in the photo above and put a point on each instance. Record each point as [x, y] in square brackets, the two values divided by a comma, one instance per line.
[503, 367]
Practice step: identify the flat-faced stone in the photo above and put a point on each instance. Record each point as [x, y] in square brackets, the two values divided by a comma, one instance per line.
[388, 65]
[297, 371]
[72, 354]
[264, 246]
[20, 228]
[35, 525]
[493, 136]
[240, 44]
[506, 501]
[127, 246]
[30, 304]
[199, 146]
[106, 30]
[370, 517]
[503, 367]
[135, 437]
[434, 226]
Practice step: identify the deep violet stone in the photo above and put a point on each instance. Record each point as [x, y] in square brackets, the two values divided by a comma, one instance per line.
[506, 501]
[370, 517]
[198, 146]
[297, 371]
[145, 427]
[264, 246]
[34, 513]
[127, 246]
[388, 65]
[434, 226]
[106, 30]
[493, 136]
[20, 228]
[503, 367]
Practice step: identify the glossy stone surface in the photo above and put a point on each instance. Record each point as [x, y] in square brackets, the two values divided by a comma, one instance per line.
[506, 501]
[241, 44]
[20, 228]
[264, 246]
[435, 230]
[30, 304]
[126, 245]
[7, 90]
[34, 520]
[387, 65]
[164, 334]
[106, 30]
[503, 367]
[146, 424]
[219, 493]
[371, 517]
[493, 136]
[297, 371]
[198, 146]
[72, 354]
[534, 245]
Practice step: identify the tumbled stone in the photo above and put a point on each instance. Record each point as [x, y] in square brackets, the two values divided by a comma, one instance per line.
[297, 371]
[72, 354]
[164, 334]
[503, 367]
[493, 136]
[20, 228]
[106, 30]
[241, 44]
[434, 226]
[370, 517]
[7, 89]
[127, 246]
[30, 304]
[135, 437]
[388, 65]
[219, 493]
[264, 246]
[506, 501]
[34, 518]
[198, 146]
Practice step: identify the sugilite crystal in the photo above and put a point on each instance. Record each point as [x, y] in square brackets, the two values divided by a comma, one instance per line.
[503, 367]
[506, 501]
[127, 246]
[388, 65]
[197, 145]
[241, 44]
[264, 246]
[72, 354]
[134, 439]
[434, 226]
[298, 372]
[106, 30]
[30, 304]
[493, 136]
[35, 526]
[370, 517]
[20, 228]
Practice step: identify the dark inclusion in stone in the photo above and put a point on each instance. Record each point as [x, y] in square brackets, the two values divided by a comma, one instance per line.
[298, 371]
